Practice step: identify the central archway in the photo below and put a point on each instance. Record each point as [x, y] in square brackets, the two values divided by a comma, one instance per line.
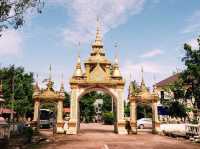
[105, 92]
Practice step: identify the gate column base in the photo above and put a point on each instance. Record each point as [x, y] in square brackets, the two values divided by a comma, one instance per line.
[156, 128]
[121, 127]
[133, 128]
[72, 128]
[60, 127]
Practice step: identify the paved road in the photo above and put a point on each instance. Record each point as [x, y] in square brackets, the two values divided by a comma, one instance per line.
[96, 136]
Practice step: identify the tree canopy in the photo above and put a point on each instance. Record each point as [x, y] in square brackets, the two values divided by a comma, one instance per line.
[22, 82]
[191, 75]
[12, 12]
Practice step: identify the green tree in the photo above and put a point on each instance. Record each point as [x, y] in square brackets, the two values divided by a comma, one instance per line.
[144, 111]
[12, 12]
[107, 102]
[23, 88]
[87, 107]
[108, 118]
[134, 88]
[176, 105]
[177, 109]
[66, 100]
[191, 75]
[127, 109]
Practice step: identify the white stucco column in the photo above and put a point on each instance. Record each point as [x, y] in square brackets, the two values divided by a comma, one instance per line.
[60, 122]
[36, 110]
[120, 112]
[156, 123]
[60, 111]
[73, 122]
[133, 116]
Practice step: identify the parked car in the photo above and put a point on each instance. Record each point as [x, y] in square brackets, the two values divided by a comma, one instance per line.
[45, 123]
[144, 123]
[45, 119]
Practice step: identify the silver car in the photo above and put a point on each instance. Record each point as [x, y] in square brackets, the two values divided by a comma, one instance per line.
[144, 123]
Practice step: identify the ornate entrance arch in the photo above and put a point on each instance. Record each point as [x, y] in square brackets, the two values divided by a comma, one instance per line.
[49, 95]
[100, 74]
[143, 97]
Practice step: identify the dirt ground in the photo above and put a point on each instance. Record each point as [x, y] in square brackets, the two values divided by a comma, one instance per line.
[97, 136]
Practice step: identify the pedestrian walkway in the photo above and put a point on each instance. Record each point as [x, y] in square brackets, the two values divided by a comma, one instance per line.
[97, 136]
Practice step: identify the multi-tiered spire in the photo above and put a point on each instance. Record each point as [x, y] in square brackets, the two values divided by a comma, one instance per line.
[50, 83]
[97, 46]
[116, 71]
[62, 89]
[143, 87]
[78, 71]
[36, 87]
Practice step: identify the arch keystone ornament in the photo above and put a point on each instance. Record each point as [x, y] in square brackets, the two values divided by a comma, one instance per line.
[99, 75]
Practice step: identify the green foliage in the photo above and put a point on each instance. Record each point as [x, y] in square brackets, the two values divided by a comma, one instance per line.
[177, 89]
[176, 109]
[23, 88]
[66, 102]
[107, 102]
[191, 75]
[108, 118]
[127, 109]
[134, 88]
[87, 107]
[87, 111]
[18, 9]
[144, 111]
[28, 133]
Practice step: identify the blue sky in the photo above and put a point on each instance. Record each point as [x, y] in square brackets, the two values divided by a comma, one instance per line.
[149, 33]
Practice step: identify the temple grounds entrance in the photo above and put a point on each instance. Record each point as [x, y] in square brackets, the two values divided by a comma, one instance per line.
[99, 74]
[144, 97]
[48, 95]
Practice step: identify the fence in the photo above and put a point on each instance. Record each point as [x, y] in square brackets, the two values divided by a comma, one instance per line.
[193, 130]
[4, 131]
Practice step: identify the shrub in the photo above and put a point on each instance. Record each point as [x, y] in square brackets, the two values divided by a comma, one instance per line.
[108, 118]
[28, 133]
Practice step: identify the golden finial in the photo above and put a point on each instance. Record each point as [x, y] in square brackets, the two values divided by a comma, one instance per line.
[50, 83]
[78, 70]
[36, 79]
[154, 86]
[98, 40]
[143, 86]
[116, 71]
[116, 53]
[78, 56]
[36, 89]
[50, 75]
[62, 89]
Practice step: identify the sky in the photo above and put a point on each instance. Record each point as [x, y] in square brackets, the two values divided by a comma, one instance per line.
[149, 34]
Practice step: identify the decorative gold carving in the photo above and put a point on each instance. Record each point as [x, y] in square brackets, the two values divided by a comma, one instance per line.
[60, 124]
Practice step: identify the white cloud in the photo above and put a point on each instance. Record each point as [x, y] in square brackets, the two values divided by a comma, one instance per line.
[152, 53]
[11, 42]
[193, 23]
[193, 43]
[83, 16]
[153, 72]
